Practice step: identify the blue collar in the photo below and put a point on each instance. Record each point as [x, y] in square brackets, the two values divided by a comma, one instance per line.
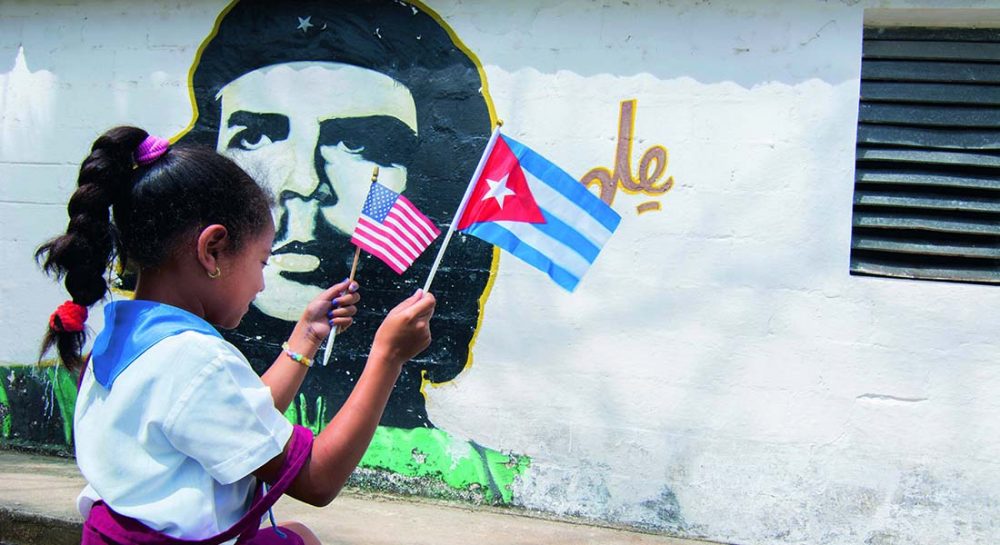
[131, 328]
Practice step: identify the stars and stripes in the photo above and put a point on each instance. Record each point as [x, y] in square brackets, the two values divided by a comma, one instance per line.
[392, 229]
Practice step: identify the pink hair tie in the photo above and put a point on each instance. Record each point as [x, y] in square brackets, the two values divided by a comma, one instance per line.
[151, 149]
[71, 317]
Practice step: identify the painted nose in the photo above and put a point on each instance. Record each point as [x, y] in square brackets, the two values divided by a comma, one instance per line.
[302, 180]
[307, 179]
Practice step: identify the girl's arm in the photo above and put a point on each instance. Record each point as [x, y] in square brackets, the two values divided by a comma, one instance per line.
[285, 375]
[404, 333]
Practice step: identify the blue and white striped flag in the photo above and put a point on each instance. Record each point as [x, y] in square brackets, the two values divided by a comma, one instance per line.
[528, 206]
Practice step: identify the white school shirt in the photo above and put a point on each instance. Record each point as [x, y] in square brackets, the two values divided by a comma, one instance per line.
[173, 442]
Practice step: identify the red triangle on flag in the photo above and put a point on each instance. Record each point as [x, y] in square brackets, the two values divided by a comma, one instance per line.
[501, 193]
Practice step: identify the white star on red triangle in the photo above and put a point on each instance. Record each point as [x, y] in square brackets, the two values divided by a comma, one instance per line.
[498, 190]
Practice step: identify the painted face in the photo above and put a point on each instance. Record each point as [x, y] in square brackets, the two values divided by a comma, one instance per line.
[242, 279]
[313, 132]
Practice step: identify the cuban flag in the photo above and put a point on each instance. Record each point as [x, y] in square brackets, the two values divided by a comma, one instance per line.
[528, 206]
[392, 229]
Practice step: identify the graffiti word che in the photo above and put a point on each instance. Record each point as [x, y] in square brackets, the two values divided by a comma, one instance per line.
[652, 167]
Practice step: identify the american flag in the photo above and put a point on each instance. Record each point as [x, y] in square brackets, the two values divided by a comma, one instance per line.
[392, 229]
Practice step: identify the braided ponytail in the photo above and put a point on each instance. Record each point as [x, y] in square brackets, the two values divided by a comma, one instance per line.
[82, 255]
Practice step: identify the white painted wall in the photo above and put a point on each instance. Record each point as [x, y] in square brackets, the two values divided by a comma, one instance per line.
[718, 373]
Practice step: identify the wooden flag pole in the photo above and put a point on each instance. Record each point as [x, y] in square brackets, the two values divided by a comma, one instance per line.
[354, 269]
[354, 266]
[464, 203]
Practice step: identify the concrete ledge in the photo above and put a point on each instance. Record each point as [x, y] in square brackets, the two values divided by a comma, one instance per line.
[22, 527]
[38, 493]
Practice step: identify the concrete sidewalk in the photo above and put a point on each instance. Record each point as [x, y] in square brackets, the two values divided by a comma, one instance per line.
[37, 495]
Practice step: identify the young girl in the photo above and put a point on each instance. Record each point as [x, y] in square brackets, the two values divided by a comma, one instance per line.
[173, 429]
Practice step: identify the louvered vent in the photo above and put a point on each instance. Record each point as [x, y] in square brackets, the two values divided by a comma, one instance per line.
[927, 188]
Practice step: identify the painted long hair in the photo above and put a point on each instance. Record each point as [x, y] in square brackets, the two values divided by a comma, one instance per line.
[406, 43]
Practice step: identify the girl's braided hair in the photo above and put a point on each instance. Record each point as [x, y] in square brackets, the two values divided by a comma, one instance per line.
[140, 214]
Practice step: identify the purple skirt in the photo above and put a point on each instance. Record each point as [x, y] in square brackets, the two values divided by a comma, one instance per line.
[105, 527]
[267, 536]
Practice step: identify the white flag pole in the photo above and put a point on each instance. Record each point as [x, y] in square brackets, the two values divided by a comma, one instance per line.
[464, 203]
[354, 268]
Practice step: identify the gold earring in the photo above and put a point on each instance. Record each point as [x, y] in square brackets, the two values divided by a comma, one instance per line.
[216, 274]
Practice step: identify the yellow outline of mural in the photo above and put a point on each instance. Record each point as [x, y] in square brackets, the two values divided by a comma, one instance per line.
[495, 263]
[194, 66]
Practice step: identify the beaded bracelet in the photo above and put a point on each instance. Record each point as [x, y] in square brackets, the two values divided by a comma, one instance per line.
[304, 360]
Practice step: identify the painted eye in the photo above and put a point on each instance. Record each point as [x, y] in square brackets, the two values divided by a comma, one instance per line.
[347, 147]
[250, 130]
[262, 140]
[381, 139]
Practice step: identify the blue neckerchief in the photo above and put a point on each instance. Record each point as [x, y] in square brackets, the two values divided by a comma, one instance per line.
[131, 328]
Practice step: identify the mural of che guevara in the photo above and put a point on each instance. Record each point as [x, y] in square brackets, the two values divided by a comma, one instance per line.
[309, 96]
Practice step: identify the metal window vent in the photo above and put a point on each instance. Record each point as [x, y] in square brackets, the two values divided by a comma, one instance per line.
[927, 183]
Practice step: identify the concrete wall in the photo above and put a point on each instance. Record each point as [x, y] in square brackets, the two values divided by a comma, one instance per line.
[718, 373]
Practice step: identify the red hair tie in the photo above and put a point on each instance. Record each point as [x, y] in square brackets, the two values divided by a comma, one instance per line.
[71, 317]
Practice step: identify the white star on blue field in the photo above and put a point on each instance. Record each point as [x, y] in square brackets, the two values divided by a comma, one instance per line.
[304, 24]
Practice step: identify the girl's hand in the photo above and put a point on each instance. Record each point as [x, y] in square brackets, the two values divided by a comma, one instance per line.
[335, 307]
[406, 330]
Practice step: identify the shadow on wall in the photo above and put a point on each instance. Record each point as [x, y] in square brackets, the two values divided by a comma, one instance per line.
[748, 42]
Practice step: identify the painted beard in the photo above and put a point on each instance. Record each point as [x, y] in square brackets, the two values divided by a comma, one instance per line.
[334, 251]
